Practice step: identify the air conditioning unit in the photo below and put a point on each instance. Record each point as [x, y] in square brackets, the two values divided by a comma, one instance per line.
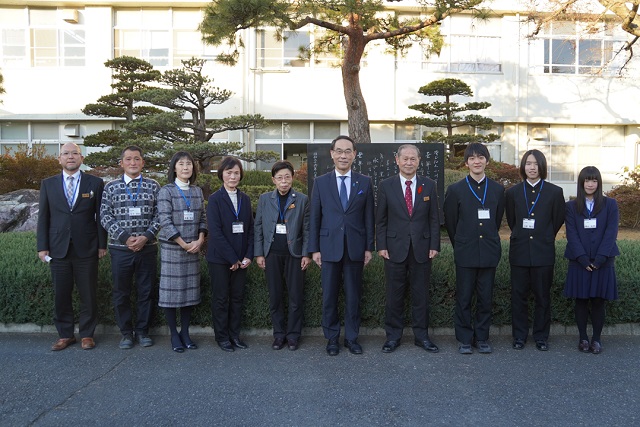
[72, 130]
[70, 15]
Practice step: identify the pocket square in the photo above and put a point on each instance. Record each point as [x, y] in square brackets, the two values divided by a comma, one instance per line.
[360, 192]
[292, 205]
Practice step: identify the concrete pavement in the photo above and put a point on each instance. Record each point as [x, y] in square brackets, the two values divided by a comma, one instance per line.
[259, 386]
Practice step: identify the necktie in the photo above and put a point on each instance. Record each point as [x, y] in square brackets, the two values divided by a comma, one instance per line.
[70, 191]
[408, 198]
[343, 193]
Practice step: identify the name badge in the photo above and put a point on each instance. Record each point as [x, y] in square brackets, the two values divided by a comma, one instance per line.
[188, 216]
[484, 214]
[135, 211]
[281, 229]
[528, 223]
[590, 223]
[237, 227]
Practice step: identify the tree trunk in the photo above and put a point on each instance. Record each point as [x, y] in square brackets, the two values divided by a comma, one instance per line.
[356, 107]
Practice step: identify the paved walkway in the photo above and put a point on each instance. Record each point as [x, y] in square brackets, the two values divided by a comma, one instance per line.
[259, 386]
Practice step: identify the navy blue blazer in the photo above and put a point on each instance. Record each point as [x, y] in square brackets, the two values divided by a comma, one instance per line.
[592, 241]
[224, 246]
[329, 223]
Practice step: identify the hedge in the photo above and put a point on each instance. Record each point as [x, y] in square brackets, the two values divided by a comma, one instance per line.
[26, 294]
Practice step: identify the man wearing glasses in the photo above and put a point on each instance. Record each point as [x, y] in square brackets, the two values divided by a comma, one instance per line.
[71, 239]
[341, 240]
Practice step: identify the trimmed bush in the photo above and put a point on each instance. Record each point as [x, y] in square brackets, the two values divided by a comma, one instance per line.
[26, 294]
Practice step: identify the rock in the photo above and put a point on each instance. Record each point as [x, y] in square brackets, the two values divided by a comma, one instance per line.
[19, 210]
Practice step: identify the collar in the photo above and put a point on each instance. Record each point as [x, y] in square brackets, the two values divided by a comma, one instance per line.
[127, 179]
[65, 175]
[533, 184]
[338, 174]
[413, 180]
[483, 179]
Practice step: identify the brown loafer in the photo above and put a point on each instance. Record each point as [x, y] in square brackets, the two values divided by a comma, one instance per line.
[596, 347]
[88, 343]
[63, 343]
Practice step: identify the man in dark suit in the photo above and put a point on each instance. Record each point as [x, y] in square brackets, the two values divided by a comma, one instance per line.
[535, 212]
[71, 239]
[341, 240]
[408, 238]
[473, 210]
[281, 236]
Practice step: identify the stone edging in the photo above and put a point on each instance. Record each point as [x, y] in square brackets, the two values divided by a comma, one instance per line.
[505, 330]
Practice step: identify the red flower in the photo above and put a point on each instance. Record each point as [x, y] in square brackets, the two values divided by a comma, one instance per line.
[420, 189]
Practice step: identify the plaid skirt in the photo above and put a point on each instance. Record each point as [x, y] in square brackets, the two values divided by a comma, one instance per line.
[179, 277]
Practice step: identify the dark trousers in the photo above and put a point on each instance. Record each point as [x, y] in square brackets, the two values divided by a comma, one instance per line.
[125, 265]
[470, 281]
[331, 275]
[537, 280]
[227, 295]
[278, 266]
[418, 275]
[84, 272]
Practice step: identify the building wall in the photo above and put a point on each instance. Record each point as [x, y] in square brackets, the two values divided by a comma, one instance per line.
[575, 118]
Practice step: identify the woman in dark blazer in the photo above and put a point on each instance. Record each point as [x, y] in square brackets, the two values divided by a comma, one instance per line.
[229, 253]
[592, 229]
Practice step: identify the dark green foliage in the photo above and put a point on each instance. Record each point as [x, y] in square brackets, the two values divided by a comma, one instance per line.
[26, 295]
[448, 115]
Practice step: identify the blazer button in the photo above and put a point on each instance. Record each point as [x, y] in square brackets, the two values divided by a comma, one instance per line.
[481, 236]
[480, 224]
[531, 237]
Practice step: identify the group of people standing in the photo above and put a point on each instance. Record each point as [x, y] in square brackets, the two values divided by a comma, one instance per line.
[338, 228]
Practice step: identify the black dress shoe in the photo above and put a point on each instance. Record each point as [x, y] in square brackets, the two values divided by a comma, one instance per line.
[238, 343]
[188, 343]
[293, 344]
[176, 344]
[427, 345]
[542, 345]
[333, 348]
[278, 343]
[584, 346]
[596, 347]
[225, 345]
[353, 346]
[390, 346]
[518, 344]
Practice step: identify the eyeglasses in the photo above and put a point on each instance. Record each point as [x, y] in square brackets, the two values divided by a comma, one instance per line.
[340, 152]
[69, 153]
[283, 178]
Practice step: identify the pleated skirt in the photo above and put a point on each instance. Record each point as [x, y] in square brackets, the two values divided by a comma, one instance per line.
[600, 283]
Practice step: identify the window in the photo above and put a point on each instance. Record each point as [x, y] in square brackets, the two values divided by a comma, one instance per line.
[470, 46]
[578, 48]
[291, 51]
[326, 130]
[42, 38]
[285, 130]
[13, 134]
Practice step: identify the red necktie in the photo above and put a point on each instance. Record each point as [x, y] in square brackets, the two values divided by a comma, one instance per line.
[408, 198]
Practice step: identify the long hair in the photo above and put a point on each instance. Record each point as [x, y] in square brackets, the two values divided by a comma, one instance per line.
[589, 173]
[171, 175]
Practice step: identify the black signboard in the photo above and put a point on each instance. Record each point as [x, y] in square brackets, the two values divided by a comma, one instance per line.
[378, 161]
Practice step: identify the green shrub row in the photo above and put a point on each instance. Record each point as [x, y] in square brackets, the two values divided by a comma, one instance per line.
[26, 294]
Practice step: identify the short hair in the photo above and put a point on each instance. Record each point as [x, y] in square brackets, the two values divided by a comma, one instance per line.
[588, 173]
[229, 162]
[281, 164]
[131, 148]
[542, 163]
[339, 137]
[476, 149]
[171, 175]
[406, 146]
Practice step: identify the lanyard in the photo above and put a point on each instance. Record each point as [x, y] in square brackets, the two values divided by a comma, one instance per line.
[524, 187]
[235, 212]
[484, 198]
[75, 189]
[126, 187]
[282, 211]
[187, 201]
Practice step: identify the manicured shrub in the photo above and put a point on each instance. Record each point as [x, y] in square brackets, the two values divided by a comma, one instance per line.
[26, 294]
[26, 167]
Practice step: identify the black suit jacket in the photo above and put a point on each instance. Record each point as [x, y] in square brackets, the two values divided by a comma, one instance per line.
[58, 225]
[534, 247]
[225, 246]
[396, 230]
[476, 242]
